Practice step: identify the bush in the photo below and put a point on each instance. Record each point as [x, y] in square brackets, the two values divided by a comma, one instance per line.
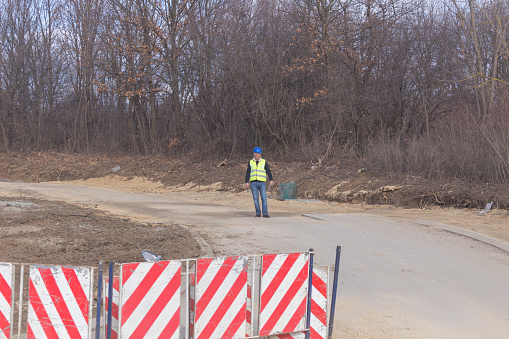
[459, 147]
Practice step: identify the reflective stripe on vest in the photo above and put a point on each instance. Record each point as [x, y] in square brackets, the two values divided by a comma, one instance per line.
[258, 171]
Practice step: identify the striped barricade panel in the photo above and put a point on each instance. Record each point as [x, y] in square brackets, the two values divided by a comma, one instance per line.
[251, 295]
[115, 300]
[319, 303]
[284, 288]
[319, 307]
[6, 297]
[150, 300]
[249, 309]
[58, 302]
[220, 296]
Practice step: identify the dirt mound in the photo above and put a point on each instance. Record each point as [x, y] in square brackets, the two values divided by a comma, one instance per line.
[341, 182]
[44, 232]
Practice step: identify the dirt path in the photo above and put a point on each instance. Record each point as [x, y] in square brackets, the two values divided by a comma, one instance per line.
[210, 205]
[494, 223]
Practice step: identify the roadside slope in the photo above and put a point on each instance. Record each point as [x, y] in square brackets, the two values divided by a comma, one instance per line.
[341, 182]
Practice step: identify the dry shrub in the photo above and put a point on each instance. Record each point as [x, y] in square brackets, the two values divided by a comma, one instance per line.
[460, 146]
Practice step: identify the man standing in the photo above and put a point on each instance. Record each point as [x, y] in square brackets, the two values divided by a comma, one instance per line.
[256, 175]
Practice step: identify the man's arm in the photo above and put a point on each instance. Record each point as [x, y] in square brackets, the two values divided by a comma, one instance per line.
[248, 174]
[269, 173]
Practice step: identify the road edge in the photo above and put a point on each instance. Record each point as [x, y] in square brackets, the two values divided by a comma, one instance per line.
[502, 245]
[205, 248]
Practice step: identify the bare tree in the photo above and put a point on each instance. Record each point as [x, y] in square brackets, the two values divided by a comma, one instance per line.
[81, 25]
[3, 94]
[17, 35]
[485, 32]
[174, 40]
[45, 69]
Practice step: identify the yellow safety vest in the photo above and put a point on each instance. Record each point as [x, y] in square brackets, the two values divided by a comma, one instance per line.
[258, 171]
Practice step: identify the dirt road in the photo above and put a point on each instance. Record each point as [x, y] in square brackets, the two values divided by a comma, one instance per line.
[398, 279]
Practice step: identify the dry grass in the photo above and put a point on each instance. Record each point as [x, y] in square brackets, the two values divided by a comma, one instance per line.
[459, 147]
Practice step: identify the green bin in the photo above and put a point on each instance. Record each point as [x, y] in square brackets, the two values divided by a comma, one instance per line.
[288, 190]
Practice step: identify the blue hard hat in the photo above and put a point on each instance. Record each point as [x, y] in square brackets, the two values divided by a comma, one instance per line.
[257, 150]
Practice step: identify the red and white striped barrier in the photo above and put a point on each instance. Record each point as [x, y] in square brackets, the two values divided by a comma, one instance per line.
[115, 301]
[250, 296]
[58, 302]
[319, 303]
[6, 298]
[220, 298]
[319, 307]
[284, 288]
[249, 310]
[146, 303]
[150, 300]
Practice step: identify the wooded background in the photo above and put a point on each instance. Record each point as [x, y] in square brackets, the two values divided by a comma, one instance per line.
[412, 86]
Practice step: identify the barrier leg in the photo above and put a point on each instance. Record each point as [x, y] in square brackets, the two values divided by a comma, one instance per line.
[110, 299]
[99, 296]
[310, 289]
[334, 291]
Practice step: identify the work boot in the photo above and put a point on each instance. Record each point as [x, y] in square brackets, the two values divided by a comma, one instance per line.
[266, 216]
[258, 215]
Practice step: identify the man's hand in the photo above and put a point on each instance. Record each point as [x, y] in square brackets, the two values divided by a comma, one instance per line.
[271, 183]
[247, 185]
